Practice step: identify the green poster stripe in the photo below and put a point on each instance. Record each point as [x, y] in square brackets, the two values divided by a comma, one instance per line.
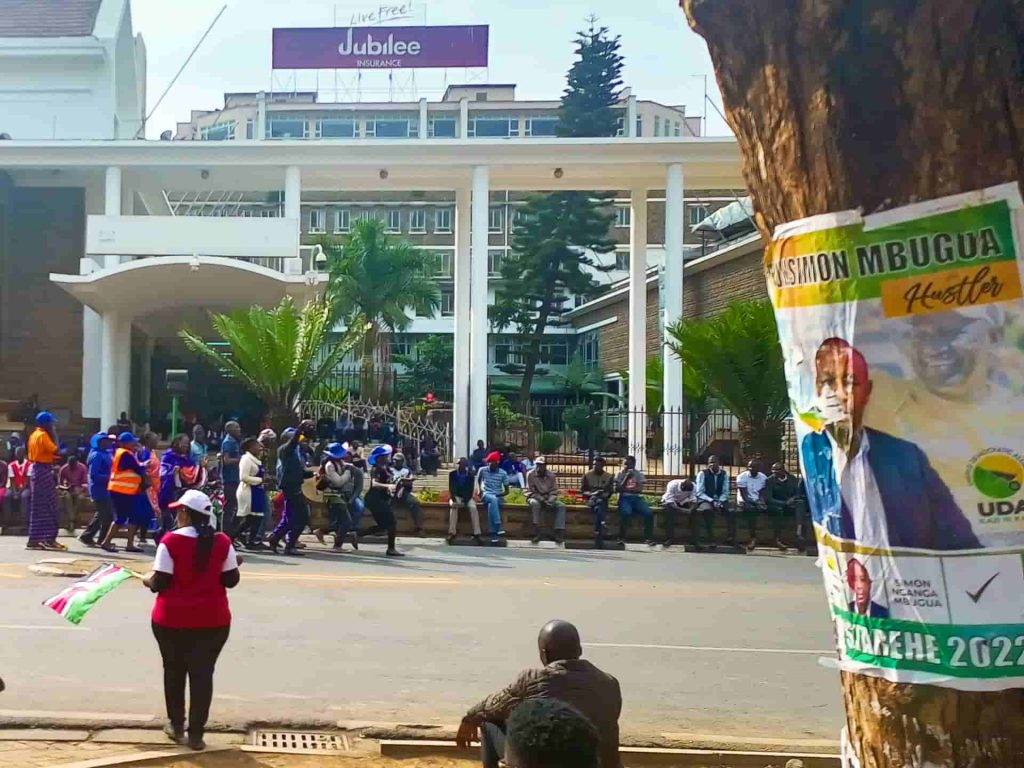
[956, 650]
[835, 263]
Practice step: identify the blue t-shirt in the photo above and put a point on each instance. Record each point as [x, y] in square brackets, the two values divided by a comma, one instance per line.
[492, 482]
[229, 447]
[100, 464]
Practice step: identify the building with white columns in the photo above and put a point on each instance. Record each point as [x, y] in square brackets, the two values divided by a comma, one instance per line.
[142, 271]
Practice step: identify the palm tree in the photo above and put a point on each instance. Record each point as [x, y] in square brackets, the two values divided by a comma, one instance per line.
[737, 356]
[374, 281]
[280, 354]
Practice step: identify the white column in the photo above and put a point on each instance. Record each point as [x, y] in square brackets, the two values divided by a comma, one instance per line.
[112, 205]
[630, 117]
[111, 323]
[123, 364]
[638, 326]
[462, 444]
[261, 116]
[478, 306]
[146, 384]
[293, 193]
[673, 308]
[463, 118]
[423, 118]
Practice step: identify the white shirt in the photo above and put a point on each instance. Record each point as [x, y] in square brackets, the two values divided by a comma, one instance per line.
[860, 492]
[675, 494]
[165, 563]
[753, 483]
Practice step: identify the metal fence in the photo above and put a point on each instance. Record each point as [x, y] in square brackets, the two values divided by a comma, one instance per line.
[670, 442]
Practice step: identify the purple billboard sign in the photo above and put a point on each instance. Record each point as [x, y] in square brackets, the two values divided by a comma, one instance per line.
[380, 47]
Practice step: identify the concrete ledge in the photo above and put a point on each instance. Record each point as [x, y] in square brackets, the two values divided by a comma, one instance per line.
[631, 756]
[140, 758]
[43, 734]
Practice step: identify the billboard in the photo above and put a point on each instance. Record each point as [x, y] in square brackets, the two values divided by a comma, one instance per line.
[380, 47]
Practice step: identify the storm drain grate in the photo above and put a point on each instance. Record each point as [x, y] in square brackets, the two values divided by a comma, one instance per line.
[301, 742]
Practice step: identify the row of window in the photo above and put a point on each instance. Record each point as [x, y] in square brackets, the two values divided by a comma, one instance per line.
[509, 351]
[666, 127]
[393, 218]
[696, 213]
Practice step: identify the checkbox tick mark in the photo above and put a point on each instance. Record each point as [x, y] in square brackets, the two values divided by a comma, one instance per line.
[976, 596]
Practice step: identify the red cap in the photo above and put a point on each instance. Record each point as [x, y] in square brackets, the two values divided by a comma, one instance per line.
[493, 456]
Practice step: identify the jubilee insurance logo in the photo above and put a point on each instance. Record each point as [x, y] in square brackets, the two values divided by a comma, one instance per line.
[997, 474]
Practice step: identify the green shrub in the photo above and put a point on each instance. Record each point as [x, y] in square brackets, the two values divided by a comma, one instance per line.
[549, 442]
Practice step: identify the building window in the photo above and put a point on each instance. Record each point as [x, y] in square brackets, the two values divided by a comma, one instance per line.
[391, 128]
[697, 214]
[443, 263]
[554, 353]
[317, 217]
[418, 221]
[342, 220]
[493, 127]
[496, 220]
[366, 215]
[639, 126]
[447, 303]
[622, 216]
[337, 129]
[441, 128]
[394, 221]
[218, 132]
[590, 348]
[401, 346]
[541, 126]
[288, 129]
[620, 126]
[678, 130]
[657, 125]
[494, 258]
[443, 221]
[250, 129]
[507, 352]
[518, 218]
[622, 261]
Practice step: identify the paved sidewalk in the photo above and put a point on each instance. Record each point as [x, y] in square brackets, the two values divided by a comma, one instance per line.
[47, 754]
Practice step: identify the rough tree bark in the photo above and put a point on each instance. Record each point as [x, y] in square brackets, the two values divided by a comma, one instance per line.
[841, 104]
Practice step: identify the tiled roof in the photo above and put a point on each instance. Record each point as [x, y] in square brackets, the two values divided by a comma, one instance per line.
[48, 18]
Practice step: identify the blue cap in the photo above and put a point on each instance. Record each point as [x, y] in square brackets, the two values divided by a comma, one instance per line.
[45, 417]
[376, 453]
[94, 441]
[127, 437]
[336, 451]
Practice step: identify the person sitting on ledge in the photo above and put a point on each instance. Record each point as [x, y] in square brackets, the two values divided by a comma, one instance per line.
[678, 499]
[460, 491]
[713, 496]
[565, 677]
[542, 494]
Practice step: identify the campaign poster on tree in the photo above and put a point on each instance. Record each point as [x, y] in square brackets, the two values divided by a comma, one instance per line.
[903, 335]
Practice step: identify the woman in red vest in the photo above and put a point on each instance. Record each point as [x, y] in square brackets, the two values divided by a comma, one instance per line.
[194, 568]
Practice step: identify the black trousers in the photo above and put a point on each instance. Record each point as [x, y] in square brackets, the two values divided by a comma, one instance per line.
[190, 653]
[380, 507]
[707, 509]
[230, 507]
[492, 744]
[101, 520]
[298, 516]
[672, 511]
[250, 524]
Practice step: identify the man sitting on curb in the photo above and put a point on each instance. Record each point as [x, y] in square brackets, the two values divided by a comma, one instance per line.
[750, 497]
[460, 490]
[679, 499]
[713, 496]
[630, 485]
[542, 494]
[597, 488]
[565, 677]
[492, 483]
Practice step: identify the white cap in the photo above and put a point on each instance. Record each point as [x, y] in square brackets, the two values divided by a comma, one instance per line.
[540, 460]
[196, 501]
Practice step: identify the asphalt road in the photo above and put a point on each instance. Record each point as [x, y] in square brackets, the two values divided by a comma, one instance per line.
[708, 644]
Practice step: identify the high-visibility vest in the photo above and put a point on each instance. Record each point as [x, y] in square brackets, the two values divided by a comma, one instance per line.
[128, 482]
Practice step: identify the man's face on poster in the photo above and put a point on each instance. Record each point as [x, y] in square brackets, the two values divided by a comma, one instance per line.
[843, 388]
[860, 583]
[949, 352]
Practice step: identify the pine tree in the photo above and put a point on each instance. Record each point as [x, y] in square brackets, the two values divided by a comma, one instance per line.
[553, 249]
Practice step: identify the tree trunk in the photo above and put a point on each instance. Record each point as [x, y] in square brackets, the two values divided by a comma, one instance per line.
[840, 104]
[761, 441]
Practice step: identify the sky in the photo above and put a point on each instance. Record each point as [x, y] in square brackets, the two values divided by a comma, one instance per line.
[530, 45]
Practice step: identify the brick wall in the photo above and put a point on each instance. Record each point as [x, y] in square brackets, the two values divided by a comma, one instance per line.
[41, 340]
[705, 294]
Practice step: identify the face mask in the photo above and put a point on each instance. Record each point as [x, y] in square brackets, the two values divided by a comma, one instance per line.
[831, 407]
